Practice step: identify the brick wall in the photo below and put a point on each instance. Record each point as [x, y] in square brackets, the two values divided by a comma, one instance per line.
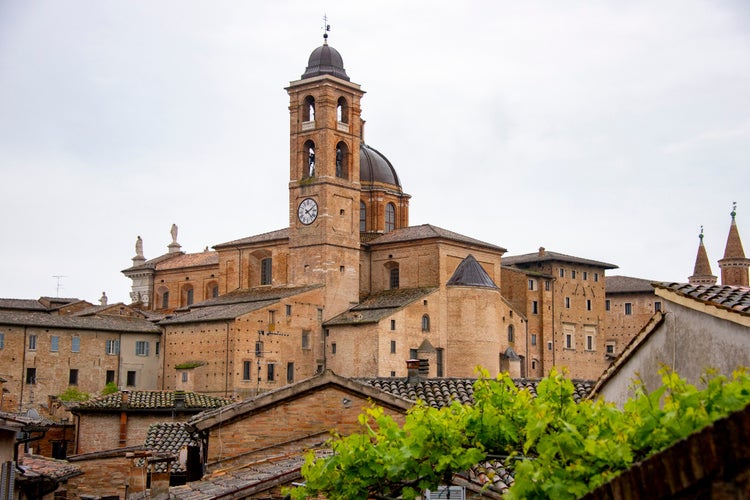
[315, 412]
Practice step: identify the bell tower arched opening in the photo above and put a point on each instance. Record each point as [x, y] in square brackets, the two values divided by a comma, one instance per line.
[343, 160]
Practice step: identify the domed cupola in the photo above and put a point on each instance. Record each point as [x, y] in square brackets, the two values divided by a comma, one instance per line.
[374, 168]
[325, 60]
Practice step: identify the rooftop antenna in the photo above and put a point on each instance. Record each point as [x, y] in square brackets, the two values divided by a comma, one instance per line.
[326, 28]
[59, 286]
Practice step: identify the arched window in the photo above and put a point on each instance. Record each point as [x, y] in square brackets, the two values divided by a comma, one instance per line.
[394, 277]
[308, 159]
[342, 110]
[511, 333]
[390, 217]
[426, 323]
[187, 296]
[342, 160]
[212, 290]
[164, 294]
[362, 217]
[308, 109]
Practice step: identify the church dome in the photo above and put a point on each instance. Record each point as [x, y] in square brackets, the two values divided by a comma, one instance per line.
[325, 60]
[374, 167]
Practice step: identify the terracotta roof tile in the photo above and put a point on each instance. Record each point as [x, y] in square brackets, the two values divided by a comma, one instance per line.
[733, 298]
[439, 392]
[547, 256]
[22, 304]
[279, 234]
[627, 284]
[208, 258]
[379, 305]
[98, 323]
[428, 231]
[58, 470]
[169, 438]
[144, 400]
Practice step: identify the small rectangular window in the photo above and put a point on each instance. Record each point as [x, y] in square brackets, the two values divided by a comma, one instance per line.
[157, 347]
[534, 307]
[305, 339]
[246, 370]
[657, 306]
[610, 347]
[546, 285]
[184, 377]
[110, 377]
[533, 339]
[573, 274]
[32, 342]
[628, 308]
[568, 341]
[259, 349]
[596, 276]
[413, 354]
[190, 296]
[532, 284]
[131, 378]
[585, 275]
[607, 305]
[549, 345]
[320, 314]
[73, 376]
[54, 343]
[289, 372]
[333, 348]
[113, 347]
[2, 340]
[266, 265]
[141, 348]
[589, 342]
[75, 345]
[567, 302]
[288, 309]
[562, 272]
[271, 372]
[30, 376]
[588, 304]
[394, 278]
[393, 374]
[393, 347]
[393, 324]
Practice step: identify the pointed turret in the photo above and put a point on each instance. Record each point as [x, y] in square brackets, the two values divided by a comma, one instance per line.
[734, 266]
[702, 270]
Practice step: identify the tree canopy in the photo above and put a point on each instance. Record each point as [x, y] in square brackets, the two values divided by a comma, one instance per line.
[553, 446]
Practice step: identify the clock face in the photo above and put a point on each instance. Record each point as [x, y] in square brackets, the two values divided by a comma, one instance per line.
[307, 211]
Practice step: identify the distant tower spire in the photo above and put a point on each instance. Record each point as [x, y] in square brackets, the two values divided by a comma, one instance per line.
[702, 270]
[734, 266]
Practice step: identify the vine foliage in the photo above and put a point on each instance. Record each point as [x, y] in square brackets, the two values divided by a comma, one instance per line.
[553, 446]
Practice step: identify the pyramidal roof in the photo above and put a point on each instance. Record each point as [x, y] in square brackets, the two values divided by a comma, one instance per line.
[470, 273]
[702, 270]
[734, 249]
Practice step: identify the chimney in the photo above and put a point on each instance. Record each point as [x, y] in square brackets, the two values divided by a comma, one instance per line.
[412, 371]
[179, 399]
[541, 251]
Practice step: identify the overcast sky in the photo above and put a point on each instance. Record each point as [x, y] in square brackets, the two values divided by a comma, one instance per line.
[608, 130]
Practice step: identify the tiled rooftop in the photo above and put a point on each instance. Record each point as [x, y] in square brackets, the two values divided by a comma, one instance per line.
[545, 256]
[279, 234]
[439, 392]
[428, 231]
[207, 258]
[734, 298]
[169, 438]
[379, 305]
[627, 284]
[99, 323]
[58, 470]
[144, 400]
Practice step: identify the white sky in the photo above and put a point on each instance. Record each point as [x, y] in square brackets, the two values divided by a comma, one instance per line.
[609, 130]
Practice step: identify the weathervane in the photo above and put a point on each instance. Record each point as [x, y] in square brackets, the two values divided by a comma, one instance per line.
[326, 28]
[734, 209]
[701, 235]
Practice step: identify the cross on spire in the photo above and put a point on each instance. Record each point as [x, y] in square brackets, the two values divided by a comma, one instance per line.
[326, 28]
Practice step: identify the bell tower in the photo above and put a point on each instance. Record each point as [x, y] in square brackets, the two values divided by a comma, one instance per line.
[324, 186]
